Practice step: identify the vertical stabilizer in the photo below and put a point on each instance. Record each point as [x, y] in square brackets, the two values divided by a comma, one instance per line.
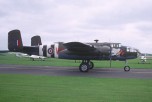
[15, 41]
[36, 41]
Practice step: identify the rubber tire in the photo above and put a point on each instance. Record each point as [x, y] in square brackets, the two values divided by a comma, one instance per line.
[126, 68]
[91, 65]
[84, 67]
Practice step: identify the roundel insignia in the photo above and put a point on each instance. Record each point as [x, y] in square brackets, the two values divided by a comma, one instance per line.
[50, 51]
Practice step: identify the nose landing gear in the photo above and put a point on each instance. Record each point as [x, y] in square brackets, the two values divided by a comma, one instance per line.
[126, 68]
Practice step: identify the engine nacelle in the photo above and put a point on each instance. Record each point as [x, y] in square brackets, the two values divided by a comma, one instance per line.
[104, 49]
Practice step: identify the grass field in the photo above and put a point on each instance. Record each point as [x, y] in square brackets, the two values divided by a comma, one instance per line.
[28, 88]
[34, 88]
[12, 59]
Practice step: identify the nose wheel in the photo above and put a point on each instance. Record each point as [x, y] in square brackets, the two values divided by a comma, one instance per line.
[126, 68]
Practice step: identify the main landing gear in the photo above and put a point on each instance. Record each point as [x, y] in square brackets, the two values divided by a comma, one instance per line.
[86, 65]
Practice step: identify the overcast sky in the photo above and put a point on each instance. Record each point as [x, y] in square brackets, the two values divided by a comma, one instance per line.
[124, 21]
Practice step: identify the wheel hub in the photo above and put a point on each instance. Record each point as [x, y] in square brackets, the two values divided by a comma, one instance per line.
[84, 67]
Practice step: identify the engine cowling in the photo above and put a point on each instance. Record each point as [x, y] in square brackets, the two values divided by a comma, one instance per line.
[104, 49]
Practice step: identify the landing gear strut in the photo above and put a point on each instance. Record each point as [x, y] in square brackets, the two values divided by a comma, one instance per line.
[126, 68]
[86, 65]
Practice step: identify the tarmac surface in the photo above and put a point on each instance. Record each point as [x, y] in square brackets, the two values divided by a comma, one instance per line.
[73, 71]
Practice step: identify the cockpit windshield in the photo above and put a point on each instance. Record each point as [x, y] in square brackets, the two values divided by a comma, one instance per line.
[129, 49]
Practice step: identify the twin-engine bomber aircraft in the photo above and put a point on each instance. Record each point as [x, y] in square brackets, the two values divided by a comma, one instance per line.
[73, 50]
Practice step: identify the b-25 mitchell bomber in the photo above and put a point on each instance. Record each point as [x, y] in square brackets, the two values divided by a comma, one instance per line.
[73, 50]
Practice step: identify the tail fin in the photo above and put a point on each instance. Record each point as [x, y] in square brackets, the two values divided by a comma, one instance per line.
[36, 40]
[15, 41]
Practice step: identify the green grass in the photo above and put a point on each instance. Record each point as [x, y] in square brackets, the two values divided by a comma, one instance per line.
[12, 59]
[34, 88]
[28, 88]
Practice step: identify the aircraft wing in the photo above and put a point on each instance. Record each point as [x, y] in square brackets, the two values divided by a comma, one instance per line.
[78, 46]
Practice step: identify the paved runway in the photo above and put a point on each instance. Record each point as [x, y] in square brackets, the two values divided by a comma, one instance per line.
[73, 71]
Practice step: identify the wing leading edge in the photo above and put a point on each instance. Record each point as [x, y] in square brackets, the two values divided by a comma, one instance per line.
[79, 47]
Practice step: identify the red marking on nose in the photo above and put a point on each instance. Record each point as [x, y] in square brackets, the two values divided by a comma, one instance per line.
[122, 52]
[58, 50]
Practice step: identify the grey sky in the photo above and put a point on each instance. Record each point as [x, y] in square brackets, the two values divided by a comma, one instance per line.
[126, 21]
